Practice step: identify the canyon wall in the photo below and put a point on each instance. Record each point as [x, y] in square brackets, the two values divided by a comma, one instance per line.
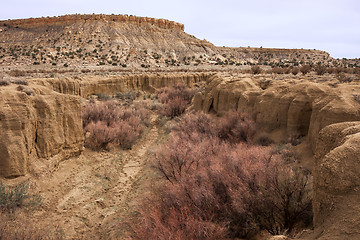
[300, 108]
[329, 118]
[337, 181]
[37, 130]
[88, 85]
[70, 19]
[44, 127]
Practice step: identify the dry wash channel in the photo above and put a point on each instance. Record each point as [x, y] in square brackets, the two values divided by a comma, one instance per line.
[41, 126]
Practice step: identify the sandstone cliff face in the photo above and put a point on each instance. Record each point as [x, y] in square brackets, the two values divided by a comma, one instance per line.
[70, 19]
[85, 86]
[300, 108]
[46, 126]
[337, 181]
[40, 130]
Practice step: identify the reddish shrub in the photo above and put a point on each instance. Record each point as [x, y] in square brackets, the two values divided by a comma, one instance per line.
[174, 224]
[295, 70]
[99, 135]
[174, 107]
[320, 70]
[256, 70]
[175, 100]
[278, 70]
[108, 122]
[4, 82]
[178, 90]
[17, 73]
[21, 82]
[196, 123]
[225, 189]
[305, 69]
[236, 127]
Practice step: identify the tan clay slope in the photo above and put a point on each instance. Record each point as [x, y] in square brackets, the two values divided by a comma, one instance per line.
[45, 127]
[337, 182]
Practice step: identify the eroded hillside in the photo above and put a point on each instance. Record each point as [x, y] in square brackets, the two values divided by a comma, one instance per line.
[131, 42]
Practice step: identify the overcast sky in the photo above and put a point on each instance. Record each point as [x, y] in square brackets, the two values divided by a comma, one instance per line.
[329, 25]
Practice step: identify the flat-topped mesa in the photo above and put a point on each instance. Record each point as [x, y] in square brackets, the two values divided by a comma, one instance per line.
[69, 19]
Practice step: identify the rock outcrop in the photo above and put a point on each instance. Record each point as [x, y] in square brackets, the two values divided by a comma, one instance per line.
[302, 108]
[71, 19]
[37, 130]
[85, 86]
[337, 181]
[45, 127]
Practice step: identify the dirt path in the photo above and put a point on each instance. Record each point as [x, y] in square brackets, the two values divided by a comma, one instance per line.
[86, 190]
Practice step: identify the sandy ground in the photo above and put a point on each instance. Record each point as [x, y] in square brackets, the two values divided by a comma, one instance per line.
[85, 191]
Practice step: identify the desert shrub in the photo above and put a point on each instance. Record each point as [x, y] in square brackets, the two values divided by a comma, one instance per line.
[15, 197]
[16, 227]
[4, 82]
[255, 70]
[236, 127]
[199, 123]
[343, 77]
[17, 73]
[174, 224]
[338, 70]
[102, 96]
[320, 70]
[175, 100]
[85, 70]
[287, 70]
[20, 82]
[26, 90]
[108, 122]
[305, 69]
[330, 70]
[242, 189]
[174, 107]
[264, 140]
[264, 84]
[278, 70]
[295, 70]
[131, 96]
[286, 152]
[212, 186]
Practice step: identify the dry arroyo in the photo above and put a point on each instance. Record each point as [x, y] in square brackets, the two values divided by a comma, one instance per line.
[84, 191]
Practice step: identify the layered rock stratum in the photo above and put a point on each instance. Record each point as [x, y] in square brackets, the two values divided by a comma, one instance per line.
[119, 40]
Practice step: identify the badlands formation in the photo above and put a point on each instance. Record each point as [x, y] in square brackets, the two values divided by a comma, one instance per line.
[66, 60]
